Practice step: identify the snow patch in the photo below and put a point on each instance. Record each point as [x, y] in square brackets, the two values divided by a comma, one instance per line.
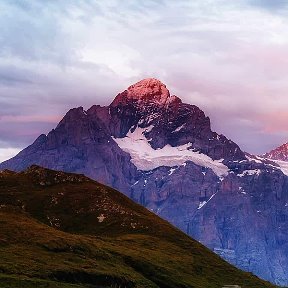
[145, 158]
[255, 159]
[242, 191]
[148, 129]
[179, 128]
[203, 203]
[250, 173]
[135, 183]
[283, 166]
[171, 171]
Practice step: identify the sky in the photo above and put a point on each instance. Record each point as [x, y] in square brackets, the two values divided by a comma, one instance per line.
[230, 58]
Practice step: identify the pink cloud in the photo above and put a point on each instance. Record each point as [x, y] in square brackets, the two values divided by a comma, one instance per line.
[274, 122]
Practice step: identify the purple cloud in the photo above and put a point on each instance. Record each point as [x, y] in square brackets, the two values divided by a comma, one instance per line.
[69, 54]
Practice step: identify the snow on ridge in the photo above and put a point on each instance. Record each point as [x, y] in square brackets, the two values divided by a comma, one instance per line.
[145, 158]
[203, 203]
[281, 165]
[255, 158]
[250, 172]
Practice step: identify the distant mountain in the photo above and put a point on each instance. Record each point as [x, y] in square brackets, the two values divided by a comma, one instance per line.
[65, 230]
[280, 153]
[163, 154]
[278, 157]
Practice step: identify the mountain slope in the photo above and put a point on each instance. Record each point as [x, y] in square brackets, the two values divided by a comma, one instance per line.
[279, 153]
[44, 242]
[278, 157]
[162, 153]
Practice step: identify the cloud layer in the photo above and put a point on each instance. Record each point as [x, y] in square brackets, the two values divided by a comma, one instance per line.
[228, 57]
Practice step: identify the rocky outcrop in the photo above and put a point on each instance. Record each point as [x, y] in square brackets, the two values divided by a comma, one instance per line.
[78, 144]
[163, 154]
[279, 153]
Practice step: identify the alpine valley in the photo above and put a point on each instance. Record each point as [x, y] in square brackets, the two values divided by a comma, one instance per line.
[162, 153]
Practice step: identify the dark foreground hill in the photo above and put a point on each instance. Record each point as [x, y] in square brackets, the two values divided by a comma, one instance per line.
[65, 230]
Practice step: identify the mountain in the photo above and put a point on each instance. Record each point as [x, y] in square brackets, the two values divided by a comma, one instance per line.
[280, 153]
[279, 157]
[65, 230]
[162, 153]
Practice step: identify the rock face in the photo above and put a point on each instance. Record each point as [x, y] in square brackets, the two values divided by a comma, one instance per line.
[279, 153]
[163, 154]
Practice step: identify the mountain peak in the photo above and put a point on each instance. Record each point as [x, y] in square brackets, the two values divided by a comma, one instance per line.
[149, 89]
[145, 91]
[279, 153]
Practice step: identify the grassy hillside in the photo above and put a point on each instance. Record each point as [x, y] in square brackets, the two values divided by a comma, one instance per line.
[65, 230]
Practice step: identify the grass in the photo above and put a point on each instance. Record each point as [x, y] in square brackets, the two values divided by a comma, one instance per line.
[51, 235]
[10, 281]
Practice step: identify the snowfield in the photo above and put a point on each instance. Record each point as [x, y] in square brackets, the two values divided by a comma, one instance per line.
[283, 166]
[145, 158]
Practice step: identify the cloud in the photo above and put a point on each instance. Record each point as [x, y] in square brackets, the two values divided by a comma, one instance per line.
[227, 57]
[8, 153]
[270, 4]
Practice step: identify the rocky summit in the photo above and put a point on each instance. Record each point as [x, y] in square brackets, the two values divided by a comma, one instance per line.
[163, 154]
